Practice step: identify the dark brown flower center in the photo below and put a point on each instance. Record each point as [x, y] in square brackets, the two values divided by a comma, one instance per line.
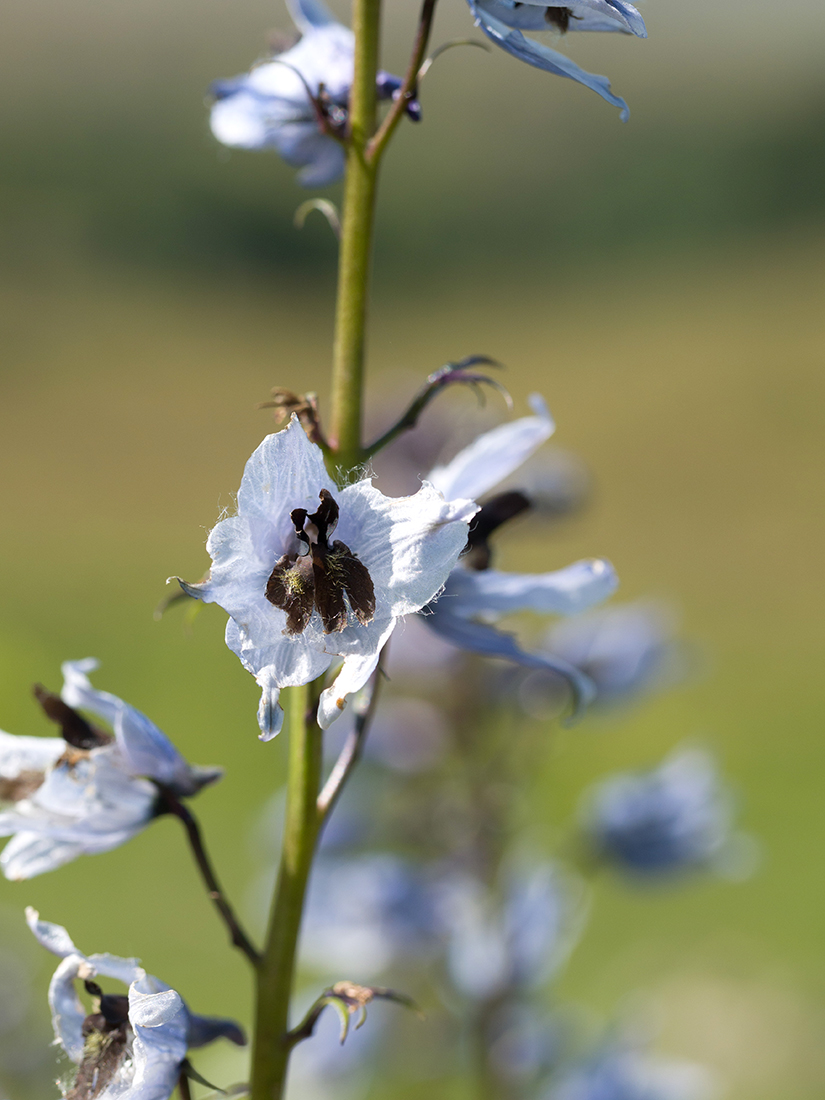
[105, 1035]
[21, 786]
[320, 575]
[559, 17]
[74, 728]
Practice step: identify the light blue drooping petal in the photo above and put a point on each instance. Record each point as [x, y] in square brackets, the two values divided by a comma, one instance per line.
[542, 57]
[29, 854]
[78, 691]
[53, 937]
[562, 592]
[493, 456]
[490, 642]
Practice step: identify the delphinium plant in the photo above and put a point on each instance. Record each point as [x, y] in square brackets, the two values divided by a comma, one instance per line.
[316, 570]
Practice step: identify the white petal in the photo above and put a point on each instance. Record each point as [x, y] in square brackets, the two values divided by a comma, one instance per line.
[78, 691]
[29, 854]
[144, 748]
[28, 754]
[113, 966]
[287, 662]
[408, 544]
[563, 592]
[355, 671]
[53, 937]
[159, 1021]
[494, 455]
[68, 1013]
[286, 471]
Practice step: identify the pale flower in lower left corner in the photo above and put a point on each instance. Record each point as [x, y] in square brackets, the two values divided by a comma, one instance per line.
[132, 1046]
[87, 791]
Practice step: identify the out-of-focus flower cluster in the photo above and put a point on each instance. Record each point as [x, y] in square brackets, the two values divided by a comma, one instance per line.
[421, 882]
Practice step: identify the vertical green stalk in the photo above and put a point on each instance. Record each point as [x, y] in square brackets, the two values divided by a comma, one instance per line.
[275, 975]
[356, 242]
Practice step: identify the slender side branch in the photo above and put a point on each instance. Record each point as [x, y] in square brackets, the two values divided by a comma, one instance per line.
[409, 88]
[172, 804]
[183, 1087]
[351, 752]
[437, 381]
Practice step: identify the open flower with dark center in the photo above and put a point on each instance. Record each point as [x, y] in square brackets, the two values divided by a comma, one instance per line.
[299, 599]
[476, 595]
[504, 20]
[130, 1046]
[88, 790]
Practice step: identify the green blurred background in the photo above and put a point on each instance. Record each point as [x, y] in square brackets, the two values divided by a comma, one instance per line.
[660, 282]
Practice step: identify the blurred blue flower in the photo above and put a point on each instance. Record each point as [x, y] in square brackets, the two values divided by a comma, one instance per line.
[495, 947]
[622, 1072]
[270, 106]
[475, 595]
[673, 818]
[625, 649]
[147, 1033]
[504, 20]
[66, 801]
[366, 912]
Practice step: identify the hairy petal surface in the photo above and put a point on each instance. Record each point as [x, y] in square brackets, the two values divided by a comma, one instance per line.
[407, 546]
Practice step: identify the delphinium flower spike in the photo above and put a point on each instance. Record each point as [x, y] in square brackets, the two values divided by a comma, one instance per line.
[87, 791]
[131, 1046]
[299, 600]
[504, 20]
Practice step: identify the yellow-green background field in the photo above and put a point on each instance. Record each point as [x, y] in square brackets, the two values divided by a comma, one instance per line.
[660, 283]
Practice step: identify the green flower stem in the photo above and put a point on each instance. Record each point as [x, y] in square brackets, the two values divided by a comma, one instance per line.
[356, 242]
[276, 972]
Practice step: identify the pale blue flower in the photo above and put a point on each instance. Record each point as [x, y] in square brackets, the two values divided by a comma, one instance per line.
[495, 946]
[270, 108]
[273, 559]
[153, 1029]
[676, 817]
[625, 649]
[65, 802]
[504, 20]
[365, 912]
[473, 598]
[623, 1072]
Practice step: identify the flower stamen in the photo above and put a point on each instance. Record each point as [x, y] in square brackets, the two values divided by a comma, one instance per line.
[320, 574]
